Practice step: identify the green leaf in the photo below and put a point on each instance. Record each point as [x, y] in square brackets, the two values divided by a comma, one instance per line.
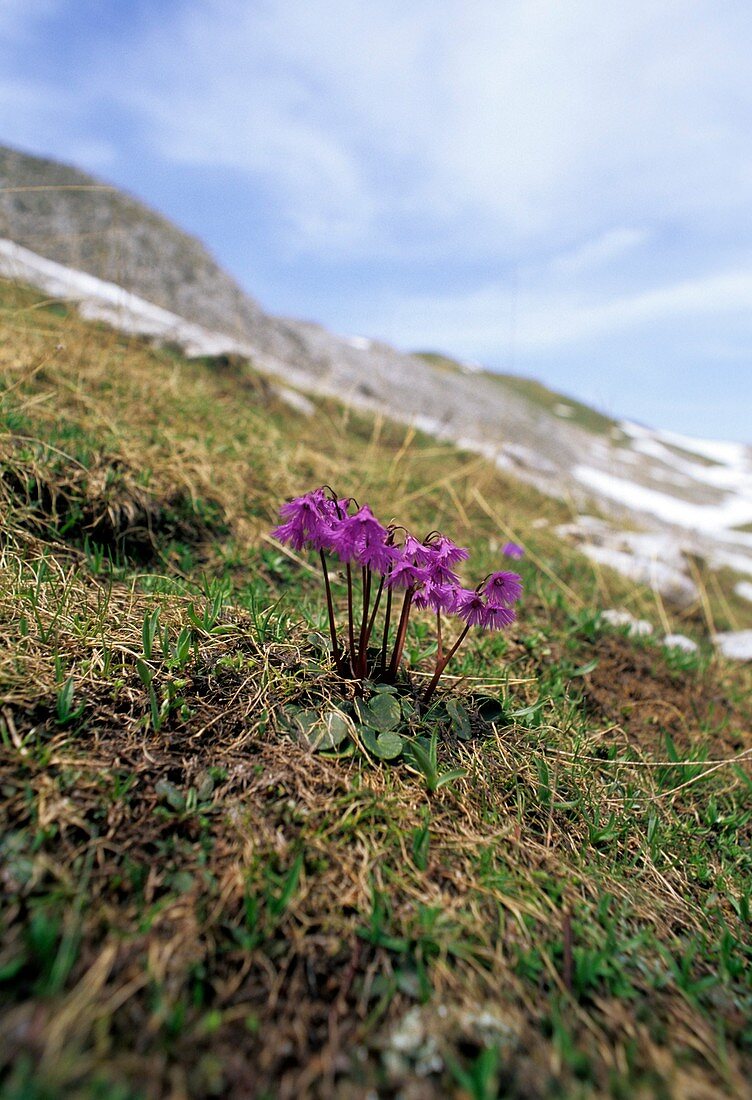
[387, 745]
[584, 669]
[460, 719]
[144, 672]
[527, 711]
[170, 794]
[334, 728]
[423, 757]
[299, 722]
[449, 777]
[382, 712]
[490, 709]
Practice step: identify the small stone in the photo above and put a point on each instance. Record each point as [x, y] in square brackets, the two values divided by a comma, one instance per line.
[409, 1033]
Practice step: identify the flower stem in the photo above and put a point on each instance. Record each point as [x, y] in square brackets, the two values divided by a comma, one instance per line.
[387, 624]
[372, 620]
[362, 641]
[350, 623]
[399, 642]
[441, 665]
[330, 609]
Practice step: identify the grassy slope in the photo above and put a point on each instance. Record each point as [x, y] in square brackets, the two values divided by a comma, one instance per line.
[195, 904]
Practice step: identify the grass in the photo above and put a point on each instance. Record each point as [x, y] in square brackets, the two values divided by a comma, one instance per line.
[197, 901]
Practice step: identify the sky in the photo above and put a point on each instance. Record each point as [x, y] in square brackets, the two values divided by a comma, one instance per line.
[556, 188]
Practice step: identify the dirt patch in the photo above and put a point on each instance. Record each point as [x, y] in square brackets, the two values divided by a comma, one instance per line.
[632, 689]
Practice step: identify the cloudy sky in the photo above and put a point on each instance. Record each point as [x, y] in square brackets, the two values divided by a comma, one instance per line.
[558, 188]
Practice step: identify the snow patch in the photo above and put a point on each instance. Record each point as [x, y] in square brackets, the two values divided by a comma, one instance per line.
[650, 558]
[733, 511]
[637, 628]
[296, 400]
[99, 300]
[679, 641]
[736, 645]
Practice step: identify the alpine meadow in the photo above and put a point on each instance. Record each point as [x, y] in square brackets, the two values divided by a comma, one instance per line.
[243, 854]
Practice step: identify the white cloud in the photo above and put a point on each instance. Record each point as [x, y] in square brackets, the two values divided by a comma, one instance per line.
[598, 251]
[495, 130]
[507, 124]
[497, 315]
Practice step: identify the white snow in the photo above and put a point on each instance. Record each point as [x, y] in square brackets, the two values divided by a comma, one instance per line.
[737, 645]
[725, 559]
[361, 343]
[670, 582]
[744, 589]
[102, 301]
[525, 456]
[638, 628]
[679, 641]
[721, 451]
[296, 400]
[733, 511]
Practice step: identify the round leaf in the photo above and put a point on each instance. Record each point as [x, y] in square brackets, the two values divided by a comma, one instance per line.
[490, 709]
[334, 728]
[382, 712]
[386, 746]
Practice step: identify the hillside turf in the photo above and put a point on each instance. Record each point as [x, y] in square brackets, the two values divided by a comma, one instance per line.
[195, 902]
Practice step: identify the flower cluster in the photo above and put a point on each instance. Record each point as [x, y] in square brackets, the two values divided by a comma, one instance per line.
[424, 571]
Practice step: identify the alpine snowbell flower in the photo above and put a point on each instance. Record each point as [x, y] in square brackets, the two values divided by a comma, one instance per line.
[513, 550]
[503, 588]
[424, 571]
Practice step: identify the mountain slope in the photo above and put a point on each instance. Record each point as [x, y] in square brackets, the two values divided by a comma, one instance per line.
[694, 498]
[69, 216]
[197, 903]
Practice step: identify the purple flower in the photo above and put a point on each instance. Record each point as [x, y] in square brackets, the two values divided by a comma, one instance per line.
[471, 607]
[406, 575]
[513, 550]
[306, 520]
[353, 531]
[499, 617]
[374, 551]
[440, 573]
[503, 588]
[448, 553]
[416, 552]
[437, 597]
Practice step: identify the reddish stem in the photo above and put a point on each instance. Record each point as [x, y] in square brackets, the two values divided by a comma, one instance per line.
[441, 665]
[399, 643]
[330, 609]
[387, 624]
[362, 641]
[350, 624]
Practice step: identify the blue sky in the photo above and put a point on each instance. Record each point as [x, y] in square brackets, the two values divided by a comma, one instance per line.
[558, 188]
